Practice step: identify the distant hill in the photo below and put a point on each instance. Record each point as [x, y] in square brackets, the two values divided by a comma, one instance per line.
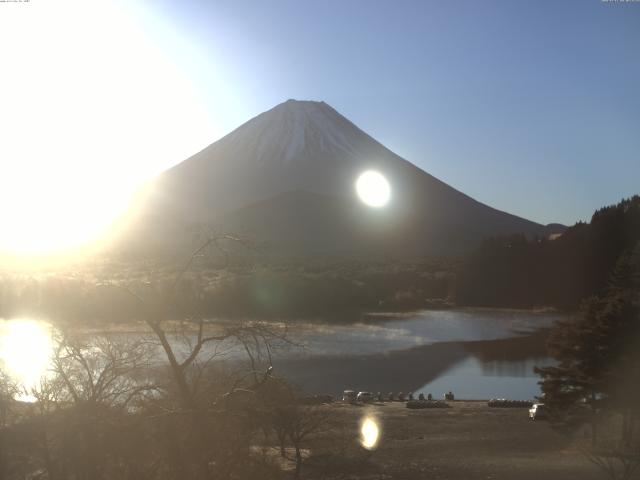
[286, 178]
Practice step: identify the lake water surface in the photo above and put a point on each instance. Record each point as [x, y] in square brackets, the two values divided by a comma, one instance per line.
[474, 353]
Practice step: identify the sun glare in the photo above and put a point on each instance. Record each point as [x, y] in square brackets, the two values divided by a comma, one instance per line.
[373, 189]
[91, 108]
[369, 433]
[25, 352]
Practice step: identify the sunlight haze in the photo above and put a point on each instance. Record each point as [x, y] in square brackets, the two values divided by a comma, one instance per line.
[87, 116]
[98, 97]
[319, 240]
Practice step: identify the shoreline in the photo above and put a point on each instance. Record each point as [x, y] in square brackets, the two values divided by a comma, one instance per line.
[139, 326]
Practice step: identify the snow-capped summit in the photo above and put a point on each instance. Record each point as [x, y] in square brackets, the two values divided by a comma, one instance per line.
[287, 177]
[284, 132]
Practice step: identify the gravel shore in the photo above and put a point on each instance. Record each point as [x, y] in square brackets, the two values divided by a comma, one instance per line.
[467, 441]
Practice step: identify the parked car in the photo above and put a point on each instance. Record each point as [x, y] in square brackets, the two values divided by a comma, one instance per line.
[538, 412]
[418, 404]
[315, 400]
[504, 403]
[365, 397]
[349, 396]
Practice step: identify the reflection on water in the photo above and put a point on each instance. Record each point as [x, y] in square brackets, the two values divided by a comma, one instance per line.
[25, 352]
[473, 379]
[474, 353]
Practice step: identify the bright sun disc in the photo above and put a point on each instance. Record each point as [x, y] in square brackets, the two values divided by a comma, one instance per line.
[373, 189]
[370, 433]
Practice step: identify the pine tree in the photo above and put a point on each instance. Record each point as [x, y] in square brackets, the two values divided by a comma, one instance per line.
[598, 353]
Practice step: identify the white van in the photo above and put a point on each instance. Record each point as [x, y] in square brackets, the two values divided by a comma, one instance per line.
[538, 412]
[349, 396]
[365, 397]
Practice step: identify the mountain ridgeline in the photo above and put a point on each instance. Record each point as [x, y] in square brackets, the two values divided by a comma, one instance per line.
[286, 179]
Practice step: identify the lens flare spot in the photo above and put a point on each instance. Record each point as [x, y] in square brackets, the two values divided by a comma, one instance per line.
[373, 189]
[369, 433]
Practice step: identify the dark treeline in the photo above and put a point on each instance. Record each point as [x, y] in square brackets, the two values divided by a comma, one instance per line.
[312, 288]
[518, 272]
[334, 293]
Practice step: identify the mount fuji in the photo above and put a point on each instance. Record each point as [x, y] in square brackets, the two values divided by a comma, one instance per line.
[286, 178]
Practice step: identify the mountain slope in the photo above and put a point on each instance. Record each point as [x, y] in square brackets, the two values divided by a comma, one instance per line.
[287, 177]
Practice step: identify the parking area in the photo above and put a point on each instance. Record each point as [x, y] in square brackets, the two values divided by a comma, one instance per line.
[469, 440]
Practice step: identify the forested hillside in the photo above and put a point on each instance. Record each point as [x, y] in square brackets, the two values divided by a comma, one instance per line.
[515, 271]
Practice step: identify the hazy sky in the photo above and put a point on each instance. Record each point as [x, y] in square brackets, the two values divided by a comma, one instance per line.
[530, 107]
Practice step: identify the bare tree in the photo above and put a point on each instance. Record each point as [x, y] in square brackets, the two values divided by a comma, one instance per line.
[305, 422]
[190, 345]
[82, 408]
[154, 404]
[102, 369]
[290, 420]
[8, 390]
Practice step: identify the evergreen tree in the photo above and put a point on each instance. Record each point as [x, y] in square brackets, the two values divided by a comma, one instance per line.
[598, 353]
